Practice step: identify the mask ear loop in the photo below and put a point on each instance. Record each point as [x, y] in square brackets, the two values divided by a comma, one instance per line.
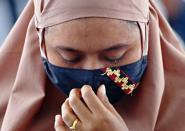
[143, 27]
[41, 42]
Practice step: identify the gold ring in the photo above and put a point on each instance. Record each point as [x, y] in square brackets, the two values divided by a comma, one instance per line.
[73, 127]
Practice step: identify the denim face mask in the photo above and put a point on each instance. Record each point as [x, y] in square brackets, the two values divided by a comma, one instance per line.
[118, 81]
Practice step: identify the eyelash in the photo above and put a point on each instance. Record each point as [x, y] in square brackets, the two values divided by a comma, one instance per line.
[78, 59]
[113, 60]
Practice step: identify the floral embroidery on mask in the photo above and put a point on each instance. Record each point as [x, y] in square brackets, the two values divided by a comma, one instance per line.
[120, 79]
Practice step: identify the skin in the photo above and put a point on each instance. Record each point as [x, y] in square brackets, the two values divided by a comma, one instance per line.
[92, 43]
[94, 114]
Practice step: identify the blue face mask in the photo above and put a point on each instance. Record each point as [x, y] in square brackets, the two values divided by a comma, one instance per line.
[118, 81]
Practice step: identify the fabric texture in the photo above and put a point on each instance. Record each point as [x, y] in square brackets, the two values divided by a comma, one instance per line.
[29, 102]
[67, 79]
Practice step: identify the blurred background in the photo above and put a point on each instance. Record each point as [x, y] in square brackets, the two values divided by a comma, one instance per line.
[9, 12]
[174, 11]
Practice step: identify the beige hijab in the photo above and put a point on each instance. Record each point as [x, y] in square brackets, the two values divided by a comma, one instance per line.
[29, 102]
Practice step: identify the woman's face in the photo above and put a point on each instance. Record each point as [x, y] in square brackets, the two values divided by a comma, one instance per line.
[93, 43]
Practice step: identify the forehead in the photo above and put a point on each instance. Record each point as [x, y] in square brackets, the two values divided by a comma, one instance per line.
[92, 31]
[105, 25]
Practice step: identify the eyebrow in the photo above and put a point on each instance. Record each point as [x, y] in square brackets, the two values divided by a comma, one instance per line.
[112, 48]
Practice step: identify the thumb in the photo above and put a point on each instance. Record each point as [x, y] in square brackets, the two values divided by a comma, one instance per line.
[59, 124]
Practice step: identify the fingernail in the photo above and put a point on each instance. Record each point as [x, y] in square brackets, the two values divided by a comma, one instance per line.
[87, 86]
[103, 89]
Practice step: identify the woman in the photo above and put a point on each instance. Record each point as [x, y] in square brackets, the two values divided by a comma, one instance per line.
[96, 53]
[88, 44]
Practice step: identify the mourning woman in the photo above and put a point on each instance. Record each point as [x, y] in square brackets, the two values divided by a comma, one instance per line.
[92, 66]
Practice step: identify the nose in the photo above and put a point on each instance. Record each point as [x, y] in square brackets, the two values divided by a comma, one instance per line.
[92, 62]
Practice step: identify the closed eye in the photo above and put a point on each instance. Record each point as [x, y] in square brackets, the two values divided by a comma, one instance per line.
[73, 61]
[112, 60]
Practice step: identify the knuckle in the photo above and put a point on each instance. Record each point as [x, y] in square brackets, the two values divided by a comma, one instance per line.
[73, 100]
[106, 101]
[72, 92]
[85, 90]
[65, 116]
[73, 97]
[63, 106]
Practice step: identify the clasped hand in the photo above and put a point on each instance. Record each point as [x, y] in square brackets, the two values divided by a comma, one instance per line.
[84, 110]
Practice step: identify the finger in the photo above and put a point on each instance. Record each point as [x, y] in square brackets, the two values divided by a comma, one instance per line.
[59, 124]
[91, 100]
[78, 106]
[68, 115]
[101, 93]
